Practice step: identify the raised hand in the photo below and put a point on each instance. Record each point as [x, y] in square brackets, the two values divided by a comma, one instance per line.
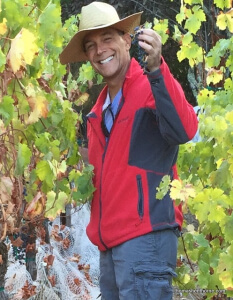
[150, 41]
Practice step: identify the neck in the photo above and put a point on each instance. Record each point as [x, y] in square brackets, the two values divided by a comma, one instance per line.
[116, 83]
[114, 88]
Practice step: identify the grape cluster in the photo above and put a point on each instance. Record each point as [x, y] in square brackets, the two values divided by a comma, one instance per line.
[20, 252]
[141, 54]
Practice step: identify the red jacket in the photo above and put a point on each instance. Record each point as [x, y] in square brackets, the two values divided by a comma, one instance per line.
[153, 119]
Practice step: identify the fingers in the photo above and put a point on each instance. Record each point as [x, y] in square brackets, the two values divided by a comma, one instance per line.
[150, 37]
[150, 41]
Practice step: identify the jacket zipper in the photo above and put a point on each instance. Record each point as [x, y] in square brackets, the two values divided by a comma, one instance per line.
[140, 197]
[103, 157]
[100, 202]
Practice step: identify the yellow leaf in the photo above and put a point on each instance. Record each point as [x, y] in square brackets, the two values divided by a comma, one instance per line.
[181, 191]
[6, 188]
[225, 20]
[176, 187]
[55, 204]
[39, 107]
[57, 167]
[30, 90]
[214, 76]
[3, 27]
[2, 127]
[186, 279]
[190, 228]
[23, 49]
[82, 99]
[229, 116]
[10, 223]
[219, 162]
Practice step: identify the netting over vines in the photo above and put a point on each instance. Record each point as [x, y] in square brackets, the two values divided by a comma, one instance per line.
[66, 269]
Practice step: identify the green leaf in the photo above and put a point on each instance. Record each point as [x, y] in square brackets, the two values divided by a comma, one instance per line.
[2, 61]
[229, 63]
[163, 187]
[23, 158]
[49, 23]
[191, 2]
[192, 52]
[42, 4]
[229, 116]
[86, 72]
[201, 241]
[16, 13]
[209, 203]
[223, 3]
[203, 267]
[7, 109]
[42, 141]
[45, 172]
[214, 56]
[227, 228]
[63, 186]
[187, 39]
[177, 35]
[55, 204]
[195, 17]
[181, 16]
[225, 267]
[46, 146]
[205, 96]
[82, 184]
[161, 27]
[222, 176]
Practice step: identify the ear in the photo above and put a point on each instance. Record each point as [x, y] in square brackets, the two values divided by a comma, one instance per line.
[127, 40]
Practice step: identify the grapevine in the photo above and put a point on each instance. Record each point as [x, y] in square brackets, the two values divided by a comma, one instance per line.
[205, 167]
[39, 153]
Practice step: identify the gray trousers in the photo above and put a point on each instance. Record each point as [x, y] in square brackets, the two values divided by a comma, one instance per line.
[141, 268]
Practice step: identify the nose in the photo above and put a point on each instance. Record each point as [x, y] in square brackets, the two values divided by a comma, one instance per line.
[100, 48]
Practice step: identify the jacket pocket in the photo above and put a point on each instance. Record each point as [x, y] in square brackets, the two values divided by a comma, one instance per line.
[140, 197]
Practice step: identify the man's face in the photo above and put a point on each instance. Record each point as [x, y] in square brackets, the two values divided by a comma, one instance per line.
[108, 52]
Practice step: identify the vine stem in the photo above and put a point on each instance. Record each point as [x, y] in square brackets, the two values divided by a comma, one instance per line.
[33, 8]
[4, 220]
[14, 129]
[185, 251]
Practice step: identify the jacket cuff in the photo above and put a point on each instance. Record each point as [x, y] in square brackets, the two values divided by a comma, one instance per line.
[156, 73]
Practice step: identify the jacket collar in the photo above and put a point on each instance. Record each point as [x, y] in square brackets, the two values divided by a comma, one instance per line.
[133, 71]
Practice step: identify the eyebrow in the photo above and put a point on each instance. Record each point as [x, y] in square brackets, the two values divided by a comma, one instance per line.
[102, 34]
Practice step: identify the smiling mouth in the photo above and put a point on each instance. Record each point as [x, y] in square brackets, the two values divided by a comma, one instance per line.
[106, 60]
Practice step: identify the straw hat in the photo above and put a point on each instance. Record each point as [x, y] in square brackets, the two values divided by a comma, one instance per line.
[95, 16]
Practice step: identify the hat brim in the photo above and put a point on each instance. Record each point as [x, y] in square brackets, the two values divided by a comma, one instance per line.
[74, 51]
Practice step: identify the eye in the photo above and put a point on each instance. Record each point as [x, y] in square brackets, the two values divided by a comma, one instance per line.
[89, 46]
[108, 39]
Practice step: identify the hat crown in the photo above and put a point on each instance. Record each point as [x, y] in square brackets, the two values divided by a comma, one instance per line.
[97, 14]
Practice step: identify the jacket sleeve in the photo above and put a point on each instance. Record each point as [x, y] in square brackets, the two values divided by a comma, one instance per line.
[176, 118]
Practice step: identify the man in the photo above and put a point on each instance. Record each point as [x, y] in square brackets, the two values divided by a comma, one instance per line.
[134, 130]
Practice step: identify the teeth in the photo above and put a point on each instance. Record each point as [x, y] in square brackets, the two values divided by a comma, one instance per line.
[106, 60]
